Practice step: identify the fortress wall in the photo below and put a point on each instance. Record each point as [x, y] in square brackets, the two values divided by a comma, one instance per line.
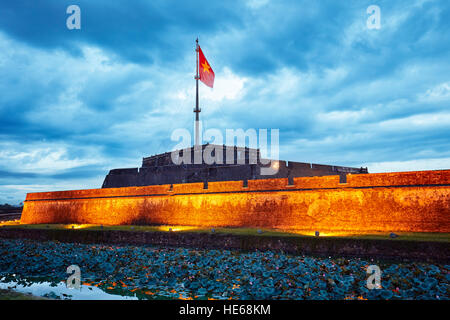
[268, 184]
[399, 178]
[220, 186]
[237, 172]
[164, 174]
[316, 182]
[313, 203]
[109, 192]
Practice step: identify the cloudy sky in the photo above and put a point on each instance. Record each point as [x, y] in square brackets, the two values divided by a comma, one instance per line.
[77, 103]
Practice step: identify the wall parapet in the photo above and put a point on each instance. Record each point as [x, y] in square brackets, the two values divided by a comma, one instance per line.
[414, 178]
[404, 202]
[432, 177]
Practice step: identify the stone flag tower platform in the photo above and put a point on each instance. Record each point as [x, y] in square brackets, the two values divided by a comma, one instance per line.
[381, 202]
[230, 163]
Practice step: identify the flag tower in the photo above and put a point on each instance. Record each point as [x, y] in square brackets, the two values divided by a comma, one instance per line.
[197, 110]
[205, 74]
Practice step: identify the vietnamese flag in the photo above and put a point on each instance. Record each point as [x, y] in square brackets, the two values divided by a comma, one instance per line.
[205, 71]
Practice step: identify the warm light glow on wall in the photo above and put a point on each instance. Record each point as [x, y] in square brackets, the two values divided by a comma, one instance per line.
[275, 165]
[327, 234]
[367, 203]
[176, 228]
[10, 223]
[77, 226]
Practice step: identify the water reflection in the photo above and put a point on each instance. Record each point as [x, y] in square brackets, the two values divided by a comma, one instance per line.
[59, 290]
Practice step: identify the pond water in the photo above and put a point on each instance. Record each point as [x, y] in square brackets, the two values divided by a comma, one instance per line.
[142, 272]
[60, 290]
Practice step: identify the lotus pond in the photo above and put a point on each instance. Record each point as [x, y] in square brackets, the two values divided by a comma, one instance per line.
[148, 272]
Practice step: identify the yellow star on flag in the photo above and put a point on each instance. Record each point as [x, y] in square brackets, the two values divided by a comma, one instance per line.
[206, 67]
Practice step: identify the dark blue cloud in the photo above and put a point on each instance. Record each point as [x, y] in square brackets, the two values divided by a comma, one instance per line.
[141, 31]
[75, 103]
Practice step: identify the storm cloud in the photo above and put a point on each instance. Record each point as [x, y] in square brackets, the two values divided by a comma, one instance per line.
[76, 103]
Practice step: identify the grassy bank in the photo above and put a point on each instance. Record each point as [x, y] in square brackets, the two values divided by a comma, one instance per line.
[409, 236]
[14, 295]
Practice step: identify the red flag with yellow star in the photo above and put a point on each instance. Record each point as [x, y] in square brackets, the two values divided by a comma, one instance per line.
[206, 74]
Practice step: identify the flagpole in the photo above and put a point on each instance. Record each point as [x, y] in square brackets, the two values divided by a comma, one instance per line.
[197, 110]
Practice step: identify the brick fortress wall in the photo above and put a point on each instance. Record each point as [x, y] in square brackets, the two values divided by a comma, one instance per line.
[402, 201]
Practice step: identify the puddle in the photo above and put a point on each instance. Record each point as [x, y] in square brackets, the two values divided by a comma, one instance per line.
[60, 291]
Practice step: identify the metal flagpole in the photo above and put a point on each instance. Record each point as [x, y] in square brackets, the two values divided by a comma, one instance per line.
[197, 110]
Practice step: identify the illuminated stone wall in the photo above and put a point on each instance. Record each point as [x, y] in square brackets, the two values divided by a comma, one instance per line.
[406, 201]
